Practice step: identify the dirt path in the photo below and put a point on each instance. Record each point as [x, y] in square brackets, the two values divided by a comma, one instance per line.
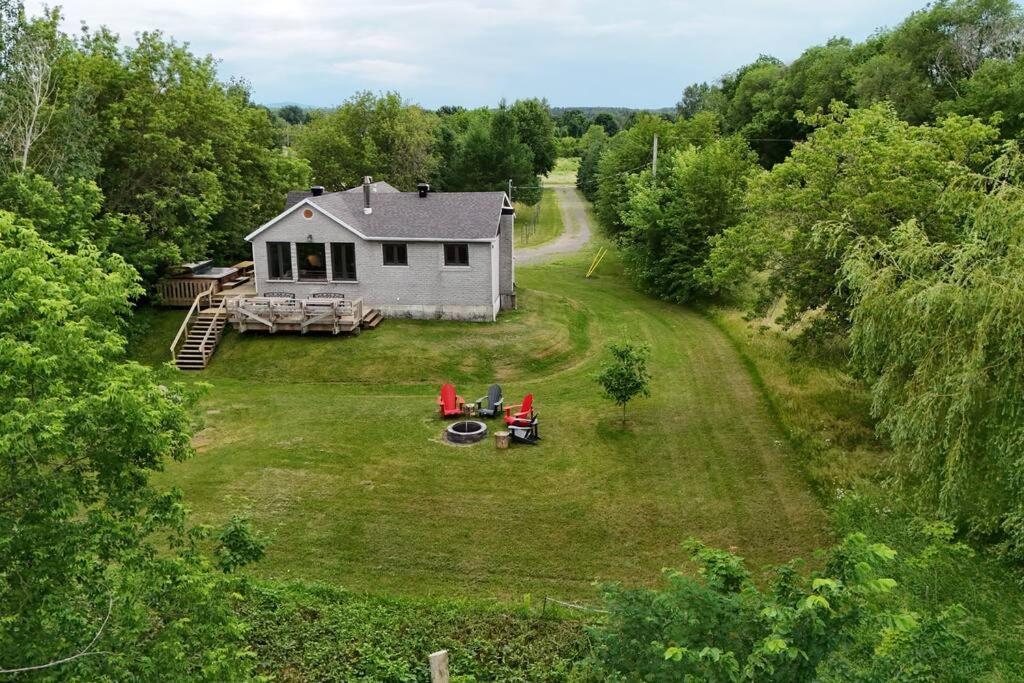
[573, 238]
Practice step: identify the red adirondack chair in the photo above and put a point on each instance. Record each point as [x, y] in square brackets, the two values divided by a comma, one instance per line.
[520, 415]
[449, 403]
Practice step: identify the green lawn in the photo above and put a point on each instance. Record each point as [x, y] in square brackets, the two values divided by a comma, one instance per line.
[564, 172]
[540, 223]
[332, 446]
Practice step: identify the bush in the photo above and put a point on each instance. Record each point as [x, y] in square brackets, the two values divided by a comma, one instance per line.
[315, 632]
[847, 622]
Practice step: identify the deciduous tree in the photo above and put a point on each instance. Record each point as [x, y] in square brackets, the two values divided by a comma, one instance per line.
[626, 376]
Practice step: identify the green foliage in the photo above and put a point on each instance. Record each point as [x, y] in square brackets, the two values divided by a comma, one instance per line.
[573, 123]
[376, 135]
[626, 376]
[191, 157]
[631, 151]
[94, 560]
[608, 122]
[238, 544]
[937, 333]
[862, 173]
[699, 193]
[185, 163]
[490, 153]
[996, 93]
[313, 632]
[842, 623]
[591, 147]
[536, 130]
[922, 67]
[293, 114]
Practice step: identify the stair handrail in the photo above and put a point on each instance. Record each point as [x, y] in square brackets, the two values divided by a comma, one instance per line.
[185, 323]
[216, 315]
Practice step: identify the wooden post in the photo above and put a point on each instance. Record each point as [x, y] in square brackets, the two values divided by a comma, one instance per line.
[439, 667]
[654, 158]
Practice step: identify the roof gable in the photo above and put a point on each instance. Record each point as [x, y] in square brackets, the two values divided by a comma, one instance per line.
[295, 207]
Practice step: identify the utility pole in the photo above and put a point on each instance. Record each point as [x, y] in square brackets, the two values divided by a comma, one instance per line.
[654, 158]
[510, 189]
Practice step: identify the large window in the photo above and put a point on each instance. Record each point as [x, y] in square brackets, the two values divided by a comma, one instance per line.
[456, 254]
[312, 260]
[395, 254]
[343, 261]
[279, 257]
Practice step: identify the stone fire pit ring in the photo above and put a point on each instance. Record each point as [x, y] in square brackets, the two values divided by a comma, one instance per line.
[465, 432]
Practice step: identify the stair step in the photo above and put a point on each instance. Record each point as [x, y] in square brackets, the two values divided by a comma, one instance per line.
[371, 319]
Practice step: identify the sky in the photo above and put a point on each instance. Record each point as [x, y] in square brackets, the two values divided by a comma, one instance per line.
[573, 52]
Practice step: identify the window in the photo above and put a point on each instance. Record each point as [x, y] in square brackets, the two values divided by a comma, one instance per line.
[395, 254]
[279, 257]
[312, 260]
[343, 261]
[456, 254]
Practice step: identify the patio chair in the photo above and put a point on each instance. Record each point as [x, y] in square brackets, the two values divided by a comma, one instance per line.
[520, 414]
[491, 404]
[449, 403]
[526, 432]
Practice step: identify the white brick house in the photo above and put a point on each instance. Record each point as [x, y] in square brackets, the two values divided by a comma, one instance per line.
[408, 254]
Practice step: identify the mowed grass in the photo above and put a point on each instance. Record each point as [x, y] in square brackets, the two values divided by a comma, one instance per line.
[564, 172]
[333, 447]
[538, 224]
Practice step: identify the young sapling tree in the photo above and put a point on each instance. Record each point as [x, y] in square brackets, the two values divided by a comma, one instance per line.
[625, 376]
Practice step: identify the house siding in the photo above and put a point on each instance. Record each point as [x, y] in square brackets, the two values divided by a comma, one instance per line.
[425, 288]
[507, 265]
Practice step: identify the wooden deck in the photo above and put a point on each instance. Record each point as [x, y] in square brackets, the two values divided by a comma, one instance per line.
[272, 314]
[212, 311]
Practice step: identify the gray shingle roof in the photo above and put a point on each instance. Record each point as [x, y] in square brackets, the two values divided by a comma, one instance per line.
[296, 196]
[406, 215]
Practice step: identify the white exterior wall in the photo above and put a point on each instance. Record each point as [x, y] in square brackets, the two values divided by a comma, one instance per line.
[425, 288]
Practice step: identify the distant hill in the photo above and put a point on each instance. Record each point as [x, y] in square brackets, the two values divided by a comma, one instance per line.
[617, 112]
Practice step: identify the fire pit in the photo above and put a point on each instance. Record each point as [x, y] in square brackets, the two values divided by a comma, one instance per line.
[466, 432]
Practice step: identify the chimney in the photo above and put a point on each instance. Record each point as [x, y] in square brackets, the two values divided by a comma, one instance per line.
[423, 188]
[367, 181]
[317, 190]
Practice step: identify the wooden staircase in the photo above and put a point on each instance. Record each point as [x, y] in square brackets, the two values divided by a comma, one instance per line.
[203, 337]
[200, 332]
[371, 319]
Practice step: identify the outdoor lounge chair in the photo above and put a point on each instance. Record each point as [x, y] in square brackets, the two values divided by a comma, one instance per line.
[520, 415]
[525, 431]
[449, 403]
[491, 404]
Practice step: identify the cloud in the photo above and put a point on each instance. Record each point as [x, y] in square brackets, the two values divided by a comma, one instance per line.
[381, 71]
[474, 52]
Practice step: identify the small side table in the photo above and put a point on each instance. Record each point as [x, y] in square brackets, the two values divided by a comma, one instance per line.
[469, 409]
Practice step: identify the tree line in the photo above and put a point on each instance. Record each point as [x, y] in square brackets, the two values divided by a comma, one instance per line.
[867, 198]
[140, 149]
[452, 148]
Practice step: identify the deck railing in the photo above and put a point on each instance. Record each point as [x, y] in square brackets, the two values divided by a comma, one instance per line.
[205, 345]
[181, 291]
[299, 314]
[187, 322]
